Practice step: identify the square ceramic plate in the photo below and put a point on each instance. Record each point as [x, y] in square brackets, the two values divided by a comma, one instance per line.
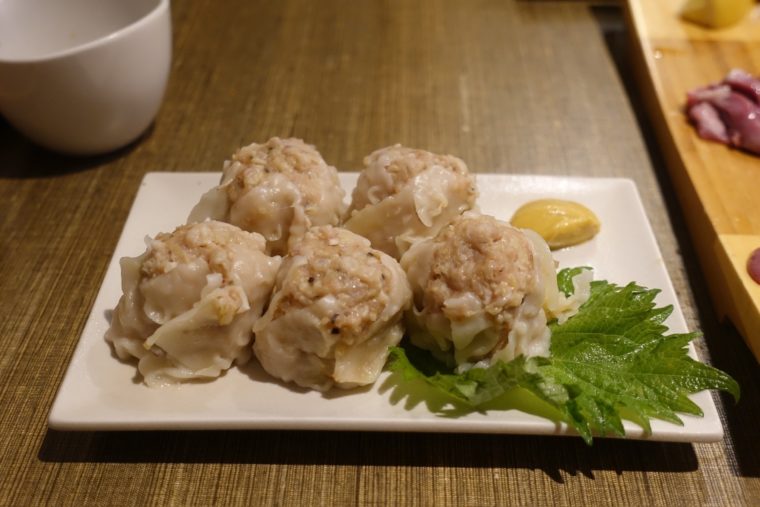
[99, 392]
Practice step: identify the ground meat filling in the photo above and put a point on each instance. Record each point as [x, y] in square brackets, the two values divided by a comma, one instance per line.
[344, 269]
[208, 242]
[483, 258]
[293, 158]
[412, 162]
[400, 165]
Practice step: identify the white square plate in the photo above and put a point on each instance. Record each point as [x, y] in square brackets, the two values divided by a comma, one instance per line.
[99, 392]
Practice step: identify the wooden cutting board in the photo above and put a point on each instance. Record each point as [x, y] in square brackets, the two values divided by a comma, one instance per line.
[718, 187]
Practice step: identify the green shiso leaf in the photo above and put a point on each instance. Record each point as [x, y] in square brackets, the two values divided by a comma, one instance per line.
[613, 359]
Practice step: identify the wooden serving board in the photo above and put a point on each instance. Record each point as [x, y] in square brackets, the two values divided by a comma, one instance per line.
[718, 187]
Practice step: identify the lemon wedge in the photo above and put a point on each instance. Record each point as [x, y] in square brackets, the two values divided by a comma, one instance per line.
[716, 13]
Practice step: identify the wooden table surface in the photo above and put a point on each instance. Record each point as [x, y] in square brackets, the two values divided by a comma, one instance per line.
[526, 87]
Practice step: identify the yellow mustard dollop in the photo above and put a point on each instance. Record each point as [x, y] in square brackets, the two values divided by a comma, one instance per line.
[561, 223]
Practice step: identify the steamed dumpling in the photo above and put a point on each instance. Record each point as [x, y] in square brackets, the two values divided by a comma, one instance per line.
[278, 189]
[479, 289]
[189, 302]
[404, 195]
[337, 307]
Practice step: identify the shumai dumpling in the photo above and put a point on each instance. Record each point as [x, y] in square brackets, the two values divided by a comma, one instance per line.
[480, 287]
[278, 189]
[337, 307]
[404, 195]
[189, 302]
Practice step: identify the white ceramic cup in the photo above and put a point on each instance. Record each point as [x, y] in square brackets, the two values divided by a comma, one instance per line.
[83, 76]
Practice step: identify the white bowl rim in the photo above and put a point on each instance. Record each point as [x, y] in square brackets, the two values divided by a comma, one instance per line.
[160, 8]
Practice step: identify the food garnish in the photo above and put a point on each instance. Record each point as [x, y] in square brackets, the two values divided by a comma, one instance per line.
[611, 361]
[560, 222]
